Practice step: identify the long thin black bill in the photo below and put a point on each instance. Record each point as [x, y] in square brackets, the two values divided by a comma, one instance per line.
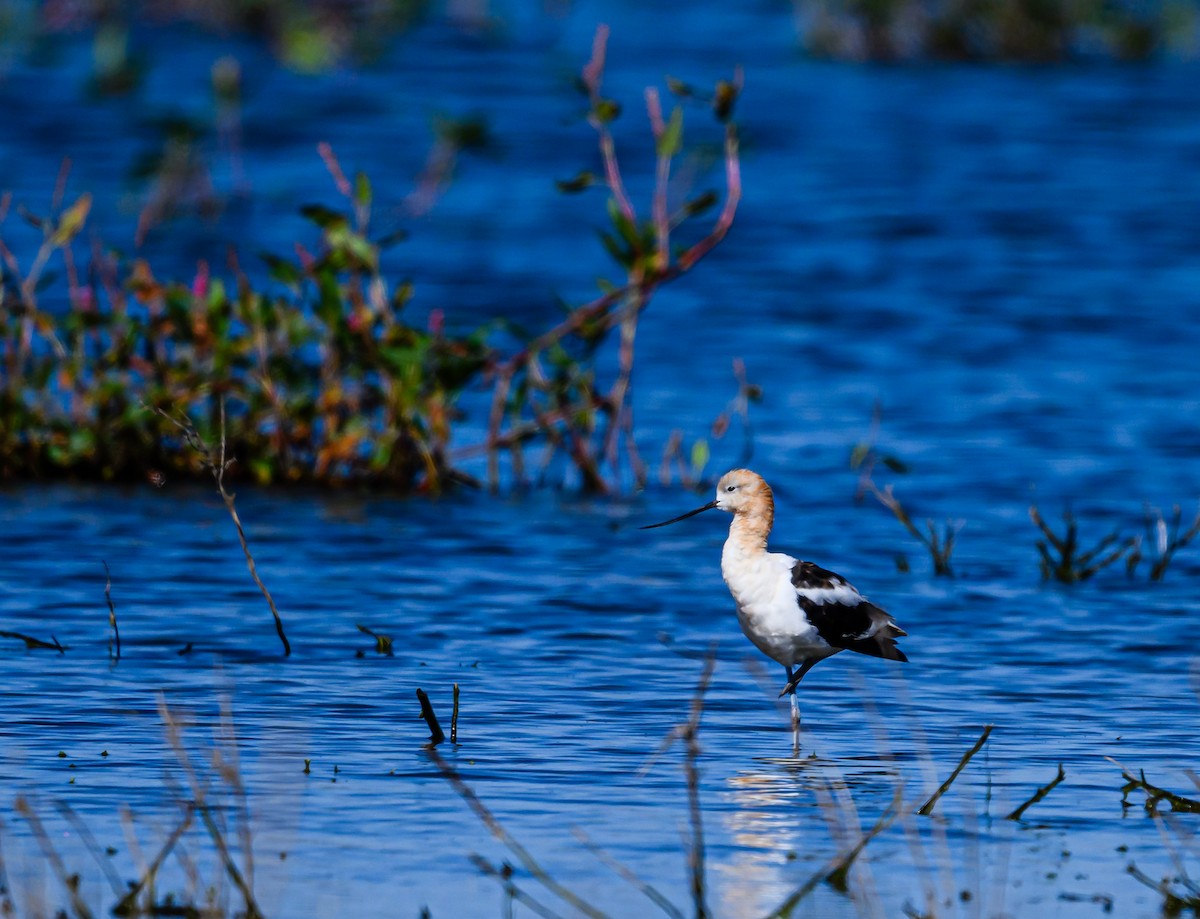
[708, 507]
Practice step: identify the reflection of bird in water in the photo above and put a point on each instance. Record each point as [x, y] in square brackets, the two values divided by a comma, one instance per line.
[793, 611]
[787, 817]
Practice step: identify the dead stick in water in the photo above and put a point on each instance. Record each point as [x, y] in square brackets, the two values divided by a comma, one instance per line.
[927, 808]
[454, 718]
[112, 613]
[218, 468]
[436, 735]
[1038, 795]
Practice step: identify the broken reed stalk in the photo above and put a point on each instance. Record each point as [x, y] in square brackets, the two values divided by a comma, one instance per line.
[7, 907]
[112, 616]
[89, 840]
[1154, 794]
[1173, 904]
[218, 467]
[205, 811]
[927, 808]
[436, 734]
[1070, 567]
[1169, 543]
[32, 644]
[1038, 795]
[127, 906]
[497, 829]
[627, 874]
[688, 733]
[940, 547]
[69, 882]
[454, 718]
[503, 874]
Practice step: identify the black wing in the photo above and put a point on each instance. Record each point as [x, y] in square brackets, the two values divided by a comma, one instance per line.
[842, 616]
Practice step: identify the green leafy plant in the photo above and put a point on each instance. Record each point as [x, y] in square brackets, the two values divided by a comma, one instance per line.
[548, 390]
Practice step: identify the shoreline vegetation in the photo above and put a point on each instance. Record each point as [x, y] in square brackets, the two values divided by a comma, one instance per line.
[323, 379]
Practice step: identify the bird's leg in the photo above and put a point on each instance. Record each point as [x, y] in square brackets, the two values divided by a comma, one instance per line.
[795, 726]
[790, 689]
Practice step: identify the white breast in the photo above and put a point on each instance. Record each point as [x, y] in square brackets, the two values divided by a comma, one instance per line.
[761, 584]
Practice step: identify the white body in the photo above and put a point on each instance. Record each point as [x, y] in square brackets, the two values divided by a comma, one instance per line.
[767, 609]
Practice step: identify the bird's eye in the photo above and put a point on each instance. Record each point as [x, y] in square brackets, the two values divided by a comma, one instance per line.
[731, 488]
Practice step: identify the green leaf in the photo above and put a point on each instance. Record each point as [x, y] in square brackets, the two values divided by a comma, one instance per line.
[281, 270]
[670, 142]
[72, 220]
[679, 88]
[723, 100]
[362, 189]
[700, 204]
[606, 110]
[584, 180]
[324, 217]
[859, 454]
[700, 456]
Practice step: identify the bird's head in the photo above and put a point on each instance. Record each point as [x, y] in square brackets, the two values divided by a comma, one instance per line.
[740, 491]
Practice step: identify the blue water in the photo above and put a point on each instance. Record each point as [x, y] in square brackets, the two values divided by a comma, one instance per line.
[1007, 259]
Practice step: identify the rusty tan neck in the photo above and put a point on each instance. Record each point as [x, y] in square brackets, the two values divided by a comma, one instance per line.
[752, 524]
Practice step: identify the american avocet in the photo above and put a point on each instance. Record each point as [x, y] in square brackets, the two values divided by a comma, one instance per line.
[793, 611]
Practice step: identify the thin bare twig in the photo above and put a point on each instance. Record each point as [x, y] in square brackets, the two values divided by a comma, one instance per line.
[504, 876]
[927, 808]
[218, 467]
[69, 881]
[454, 717]
[627, 874]
[1154, 794]
[689, 734]
[33, 644]
[201, 806]
[112, 616]
[497, 829]
[127, 906]
[1038, 795]
[89, 840]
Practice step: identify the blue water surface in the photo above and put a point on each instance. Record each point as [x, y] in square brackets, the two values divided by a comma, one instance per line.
[1005, 259]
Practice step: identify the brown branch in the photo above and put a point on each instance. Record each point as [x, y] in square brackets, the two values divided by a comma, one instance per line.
[205, 811]
[218, 466]
[1038, 795]
[32, 644]
[1154, 794]
[436, 734]
[112, 613]
[927, 808]
[70, 882]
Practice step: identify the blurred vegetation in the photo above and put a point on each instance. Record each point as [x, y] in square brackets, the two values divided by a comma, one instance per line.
[324, 379]
[1028, 30]
[326, 382]
[306, 35]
